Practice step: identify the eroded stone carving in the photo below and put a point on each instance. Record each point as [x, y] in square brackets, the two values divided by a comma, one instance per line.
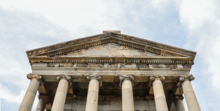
[31, 76]
[157, 66]
[95, 76]
[68, 78]
[125, 77]
[171, 66]
[93, 65]
[82, 65]
[140, 44]
[66, 65]
[142, 66]
[152, 77]
[50, 64]
[183, 78]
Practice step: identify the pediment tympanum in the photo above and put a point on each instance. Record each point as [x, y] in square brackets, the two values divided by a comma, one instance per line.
[109, 49]
[113, 46]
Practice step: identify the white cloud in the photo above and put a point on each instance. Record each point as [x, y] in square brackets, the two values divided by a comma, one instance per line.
[6, 94]
[201, 19]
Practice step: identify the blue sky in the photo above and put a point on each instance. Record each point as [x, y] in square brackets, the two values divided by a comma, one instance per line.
[189, 24]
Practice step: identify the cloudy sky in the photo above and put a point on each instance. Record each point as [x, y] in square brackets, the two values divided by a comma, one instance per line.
[29, 24]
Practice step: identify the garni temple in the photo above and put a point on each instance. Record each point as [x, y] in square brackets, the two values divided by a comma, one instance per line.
[110, 72]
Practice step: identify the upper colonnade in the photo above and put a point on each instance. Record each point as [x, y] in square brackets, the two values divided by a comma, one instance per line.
[93, 93]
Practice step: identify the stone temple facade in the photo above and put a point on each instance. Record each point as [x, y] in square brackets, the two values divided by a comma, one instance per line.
[110, 72]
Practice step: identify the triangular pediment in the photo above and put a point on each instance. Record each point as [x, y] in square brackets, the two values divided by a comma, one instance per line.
[111, 44]
[109, 50]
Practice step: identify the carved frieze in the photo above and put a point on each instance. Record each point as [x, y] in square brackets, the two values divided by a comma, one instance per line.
[66, 65]
[157, 66]
[93, 65]
[171, 66]
[50, 64]
[82, 65]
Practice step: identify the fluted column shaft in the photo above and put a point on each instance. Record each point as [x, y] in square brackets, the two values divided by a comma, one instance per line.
[179, 105]
[93, 93]
[159, 96]
[30, 94]
[189, 94]
[127, 93]
[60, 97]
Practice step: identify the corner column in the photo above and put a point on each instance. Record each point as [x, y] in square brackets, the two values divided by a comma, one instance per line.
[60, 97]
[127, 93]
[30, 94]
[159, 95]
[42, 103]
[179, 103]
[93, 93]
[189, 94]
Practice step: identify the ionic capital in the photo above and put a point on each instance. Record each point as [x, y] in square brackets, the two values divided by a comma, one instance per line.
[152, 77]
[183, 78]
[94, 76]
[126, 77]
[66, 77]
[59, 77]
[35, 76]
[32, 76]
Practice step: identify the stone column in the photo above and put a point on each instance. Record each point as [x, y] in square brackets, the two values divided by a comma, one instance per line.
[42, 103]
[189, 94]
[179, 103]
[30, 94]
[127, 93]
[159, 96]
[93, 93]
[60, 97]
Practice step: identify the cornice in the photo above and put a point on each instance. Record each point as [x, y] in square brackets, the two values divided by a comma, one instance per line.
[121, 39]
[110, 60]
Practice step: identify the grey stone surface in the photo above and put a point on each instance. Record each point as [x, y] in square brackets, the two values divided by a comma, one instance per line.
[109, 107]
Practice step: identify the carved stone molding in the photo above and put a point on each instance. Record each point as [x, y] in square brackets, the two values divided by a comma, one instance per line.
[95, 76]
[126, 77]
[38, 77]
[66, 77]
[153, 63]
[183, 78]
[121, 39]
[31, 76]
[152, 77]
